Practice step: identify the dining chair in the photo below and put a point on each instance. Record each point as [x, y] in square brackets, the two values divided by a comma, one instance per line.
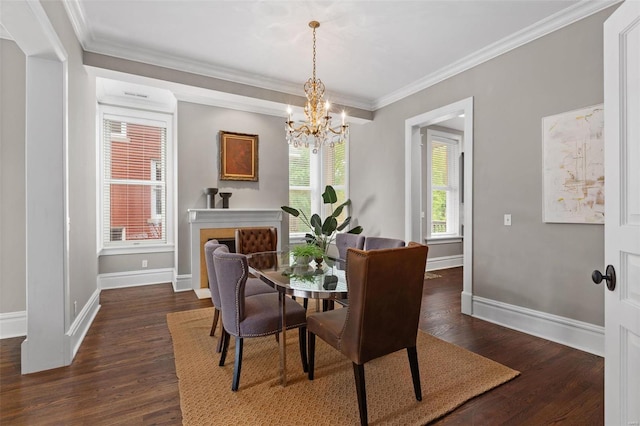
[385, 293]
[253, 286]
[376, 243]
[254, 240]
[345, 240]
[255, 316]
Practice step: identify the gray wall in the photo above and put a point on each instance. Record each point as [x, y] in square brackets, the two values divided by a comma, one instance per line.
[83, 264]
[12, 183]
[198, 127]
[545, 267]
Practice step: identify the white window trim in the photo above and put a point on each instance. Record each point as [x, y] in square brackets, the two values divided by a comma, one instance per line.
[449, 139]
[152, 118]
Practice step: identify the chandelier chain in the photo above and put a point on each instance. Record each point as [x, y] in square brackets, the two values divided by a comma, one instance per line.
[314, 54]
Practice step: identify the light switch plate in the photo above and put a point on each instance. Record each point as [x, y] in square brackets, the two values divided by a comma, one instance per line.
[507, 220]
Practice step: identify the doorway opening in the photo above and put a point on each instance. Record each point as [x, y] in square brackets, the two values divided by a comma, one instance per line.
[415, 169]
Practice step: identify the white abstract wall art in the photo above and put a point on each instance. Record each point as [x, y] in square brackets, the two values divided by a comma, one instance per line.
[573, 166]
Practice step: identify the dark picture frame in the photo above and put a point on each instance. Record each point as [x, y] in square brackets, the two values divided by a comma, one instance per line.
[238, 156]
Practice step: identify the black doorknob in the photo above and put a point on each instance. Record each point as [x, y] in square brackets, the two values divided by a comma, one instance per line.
[610, 277]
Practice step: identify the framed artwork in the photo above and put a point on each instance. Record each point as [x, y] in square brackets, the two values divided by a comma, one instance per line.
[573, 166]
[238, 156]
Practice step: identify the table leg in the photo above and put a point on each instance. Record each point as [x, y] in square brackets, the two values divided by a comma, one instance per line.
[283, 339]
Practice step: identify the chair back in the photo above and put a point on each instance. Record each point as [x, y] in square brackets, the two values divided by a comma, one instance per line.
[209, 247]
[254, 240]
[345, 240]
[376, 243]
[385, 294]
[232, 272]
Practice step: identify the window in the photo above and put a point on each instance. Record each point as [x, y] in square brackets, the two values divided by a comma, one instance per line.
[308, 175]
[134, 187]
[443, 189]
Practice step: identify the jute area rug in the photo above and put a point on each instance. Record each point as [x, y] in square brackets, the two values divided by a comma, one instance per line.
[449, 375]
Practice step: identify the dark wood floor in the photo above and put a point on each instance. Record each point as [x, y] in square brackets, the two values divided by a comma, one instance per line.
[124, 371]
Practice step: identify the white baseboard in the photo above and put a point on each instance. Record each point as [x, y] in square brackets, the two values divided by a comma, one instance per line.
[83, 321]
[444, 262]
[13, 324]
[576, 334]
[182, 283]
[135, 278]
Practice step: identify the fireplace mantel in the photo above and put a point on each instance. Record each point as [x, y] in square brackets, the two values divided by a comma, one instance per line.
[226, 218]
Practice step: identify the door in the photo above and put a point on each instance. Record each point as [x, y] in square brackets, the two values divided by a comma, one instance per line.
[622, 214]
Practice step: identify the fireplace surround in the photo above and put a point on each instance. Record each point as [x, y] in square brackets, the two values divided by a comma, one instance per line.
[206, 224]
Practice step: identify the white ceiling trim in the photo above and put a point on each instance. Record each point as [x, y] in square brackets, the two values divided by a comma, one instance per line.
[197, 95]
[548, 25]
[4, 33]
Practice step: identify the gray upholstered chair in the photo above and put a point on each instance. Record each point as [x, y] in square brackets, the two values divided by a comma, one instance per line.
[385, 293]
[255, 316]
[345, 240]
[254, 286]
[376, 243]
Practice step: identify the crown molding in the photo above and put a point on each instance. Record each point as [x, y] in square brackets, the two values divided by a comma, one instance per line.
[561, 19]
[4, 34]
[76, 16]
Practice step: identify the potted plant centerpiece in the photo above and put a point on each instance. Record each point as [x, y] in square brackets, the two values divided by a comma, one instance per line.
[323, 233]
[305, 253]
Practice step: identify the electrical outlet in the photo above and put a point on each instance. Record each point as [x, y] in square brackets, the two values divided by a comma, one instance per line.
[75, 308]
[144, 263]
[507, 220]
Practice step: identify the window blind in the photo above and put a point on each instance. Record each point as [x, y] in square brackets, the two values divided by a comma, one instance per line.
[299, 186]
[134, 182]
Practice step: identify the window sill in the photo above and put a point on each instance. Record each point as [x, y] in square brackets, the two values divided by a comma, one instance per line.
[136, 249]
[443, 240]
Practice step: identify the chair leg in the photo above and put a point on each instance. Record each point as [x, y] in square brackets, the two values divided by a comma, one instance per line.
[358, 372]
[302, 340]
[238, 365]
[216, 315]
[415, 372]
[312, 353]
[221, 339]
[225, 346]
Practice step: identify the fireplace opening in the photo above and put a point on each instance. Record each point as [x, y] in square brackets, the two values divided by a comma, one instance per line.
[229, 242]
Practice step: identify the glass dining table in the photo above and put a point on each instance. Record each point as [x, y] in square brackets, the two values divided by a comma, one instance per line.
[310, 280]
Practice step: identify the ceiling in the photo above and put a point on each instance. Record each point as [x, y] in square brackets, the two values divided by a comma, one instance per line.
[369, 53]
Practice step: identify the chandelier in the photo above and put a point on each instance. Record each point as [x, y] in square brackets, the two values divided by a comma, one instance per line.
[316, 131]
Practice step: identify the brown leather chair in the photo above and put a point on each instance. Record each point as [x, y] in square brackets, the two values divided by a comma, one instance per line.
[385, 293]
[254, 240]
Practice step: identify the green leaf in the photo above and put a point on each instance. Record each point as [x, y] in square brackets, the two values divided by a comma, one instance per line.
[291, 211]
[356, 230]
[344, 224]
[329, 196]
[316, 223]
[329, 226]
[339, 209]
